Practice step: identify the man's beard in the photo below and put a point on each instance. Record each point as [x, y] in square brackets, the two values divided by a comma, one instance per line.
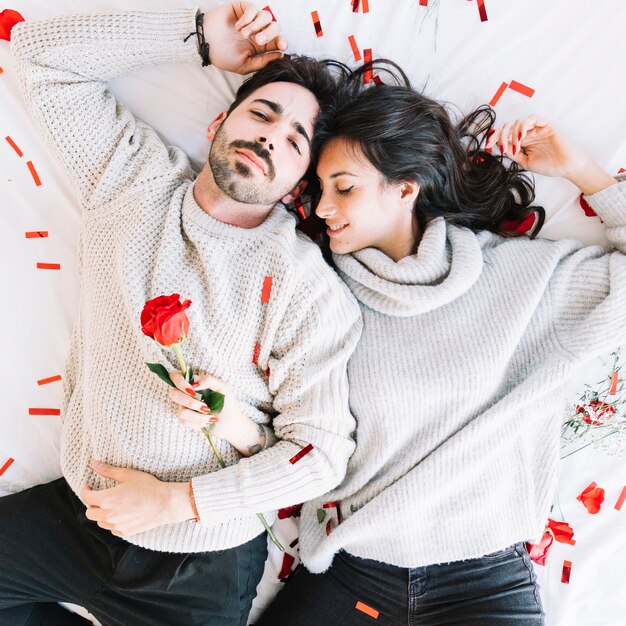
[239, 183]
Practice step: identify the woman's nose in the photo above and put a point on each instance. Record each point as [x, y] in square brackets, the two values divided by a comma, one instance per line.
[324, 208]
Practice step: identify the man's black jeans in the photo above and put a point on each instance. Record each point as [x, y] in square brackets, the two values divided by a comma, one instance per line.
[499, 588]
[50, 552]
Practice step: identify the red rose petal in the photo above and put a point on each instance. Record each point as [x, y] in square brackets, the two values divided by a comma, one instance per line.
[538, 552]
[8, 19]
[592, 498]
[584, 205]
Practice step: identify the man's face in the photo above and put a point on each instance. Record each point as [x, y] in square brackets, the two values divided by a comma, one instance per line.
[262, 149]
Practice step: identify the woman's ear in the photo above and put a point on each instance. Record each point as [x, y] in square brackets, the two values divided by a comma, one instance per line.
[214, 125]
[295, 192]
[409, 190]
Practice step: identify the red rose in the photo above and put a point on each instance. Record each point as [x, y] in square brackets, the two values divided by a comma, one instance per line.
[562, 531]
[592, 498]
[538, 552]
[8, 19]
[164, 319]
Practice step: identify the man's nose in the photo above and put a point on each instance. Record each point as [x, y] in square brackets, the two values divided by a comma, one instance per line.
[265, 142]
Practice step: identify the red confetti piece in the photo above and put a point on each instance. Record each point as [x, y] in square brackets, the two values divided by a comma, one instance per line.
[48, 266]
[364, 608]
[14, 146]
[255, 354]
[6, 466]
[329, 527]
[592, 498]
[620, 500]
[523, 89]
[562, 531]
[300, 208]
[267, 8]
[355, 6]
[330, 505]
[378, 80]
[355, 48]
[423, 3]
[303, 452]
[1, 70]
[498, 95]
[290, 511]
[366, 6]
[621, 169]
[316, 23]
[36, 234]
[267, 373]
[267, 288]
[52, 379]
[614, 381]
[482, 11]
[285, 569]
[8, 19]
[522, 226]
[33, 173]
[368, 75]
[584, 205]
[567, 570]
[44, 411]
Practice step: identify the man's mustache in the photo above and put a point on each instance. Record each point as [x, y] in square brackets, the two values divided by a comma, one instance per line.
[259, 150]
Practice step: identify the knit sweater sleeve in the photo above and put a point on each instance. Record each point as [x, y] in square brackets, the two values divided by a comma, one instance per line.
[588, 289]
[63, 64]
[313, 424]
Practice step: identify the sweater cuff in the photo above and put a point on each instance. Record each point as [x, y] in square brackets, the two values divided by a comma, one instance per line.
[610, 203]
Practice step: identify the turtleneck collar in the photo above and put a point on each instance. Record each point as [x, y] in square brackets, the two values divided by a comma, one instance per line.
[447, 263]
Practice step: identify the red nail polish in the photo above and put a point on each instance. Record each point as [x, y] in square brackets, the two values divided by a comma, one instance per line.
[213, 420]
[205, 409]
[519, 137]
[190, 391]
[194, 385]
[514, 149]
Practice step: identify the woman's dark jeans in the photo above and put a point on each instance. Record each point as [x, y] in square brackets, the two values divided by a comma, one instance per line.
[499, 588]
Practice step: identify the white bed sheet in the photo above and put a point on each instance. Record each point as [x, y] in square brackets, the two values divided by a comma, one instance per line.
[570, 52]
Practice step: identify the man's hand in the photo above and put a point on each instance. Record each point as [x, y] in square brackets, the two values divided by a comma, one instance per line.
[139, 502]
[242, 38]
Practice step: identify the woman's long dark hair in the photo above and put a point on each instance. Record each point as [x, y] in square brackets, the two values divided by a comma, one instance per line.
[408, 136]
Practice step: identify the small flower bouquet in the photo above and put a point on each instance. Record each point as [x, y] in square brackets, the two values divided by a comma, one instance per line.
[164, 319]
[599, 416]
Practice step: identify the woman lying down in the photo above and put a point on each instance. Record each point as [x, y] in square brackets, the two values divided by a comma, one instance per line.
[471, 332]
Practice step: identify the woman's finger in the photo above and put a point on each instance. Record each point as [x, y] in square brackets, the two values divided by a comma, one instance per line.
[181, 383]
[206, 381]
[194, 420]
[505, 137]
[183, 399]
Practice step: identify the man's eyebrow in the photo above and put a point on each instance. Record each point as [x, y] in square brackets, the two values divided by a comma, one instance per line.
[278, 109]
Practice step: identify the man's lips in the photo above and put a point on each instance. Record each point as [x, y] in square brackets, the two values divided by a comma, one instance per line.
[253, 159]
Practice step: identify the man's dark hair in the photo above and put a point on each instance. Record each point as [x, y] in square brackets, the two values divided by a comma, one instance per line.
[305, 71]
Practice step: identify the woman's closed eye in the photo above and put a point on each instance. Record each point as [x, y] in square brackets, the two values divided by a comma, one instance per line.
[346, 191]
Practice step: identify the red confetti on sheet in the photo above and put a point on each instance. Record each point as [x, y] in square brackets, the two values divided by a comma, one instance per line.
[36, 234]
[423, 3]
[6, 466]
[620, 500]
[378, 80]
[255, 354]
[498, 95]
[8, 19]
[567, 570]
[300, 208]
[290, 511]
[44, 411]
[592, 498]
[355, 6]
[482, 11]
[52, 379]
[316, 23]
[562, 531]
[620, 171]
[267, 8]
[614, 381]
[522, 226]
[285, 569]
[48, 266]
[267, 289]
[329, 527]
[368, 610]
[584, 205]
[368, 75]
[523, 89]
[14, 146]
[355, 48]
[1, 70]
[303, 452]
[34, 174]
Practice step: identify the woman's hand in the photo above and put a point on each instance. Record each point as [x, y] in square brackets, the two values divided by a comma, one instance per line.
[231, 424]
[538, 147]
[242, 37]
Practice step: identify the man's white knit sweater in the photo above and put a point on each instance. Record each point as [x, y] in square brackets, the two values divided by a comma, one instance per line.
[457, 389]
[143, 236]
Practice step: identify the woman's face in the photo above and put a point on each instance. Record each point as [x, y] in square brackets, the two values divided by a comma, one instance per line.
[360, 209]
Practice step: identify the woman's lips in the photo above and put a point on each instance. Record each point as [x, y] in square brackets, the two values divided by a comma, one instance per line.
[334, 233]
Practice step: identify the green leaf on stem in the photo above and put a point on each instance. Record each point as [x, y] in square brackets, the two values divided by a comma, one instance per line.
[321, 515]
[161, 372]
[213, 399]
[189, 375]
